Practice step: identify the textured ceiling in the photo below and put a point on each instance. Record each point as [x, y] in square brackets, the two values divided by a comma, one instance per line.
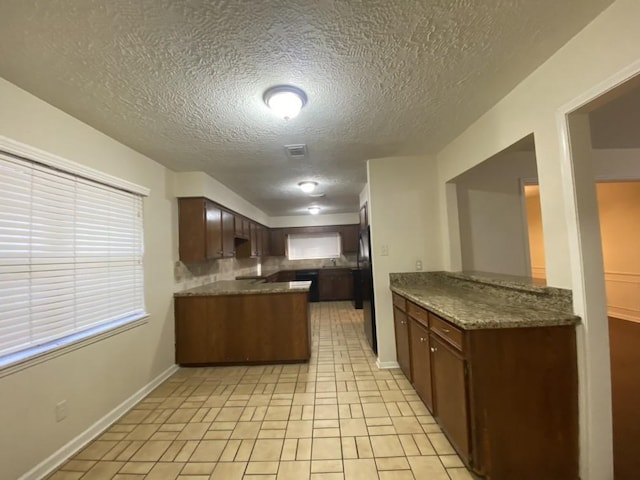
[182, 80]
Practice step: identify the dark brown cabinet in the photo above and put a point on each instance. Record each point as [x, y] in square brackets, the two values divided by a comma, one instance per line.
[229, 329]
[228, 234]
[254, 239]
[335, 284]
[350, 236]
[241, 226]
[450, 389]
[486, 387]
[277, 240]
[403, 347]
[266, 250]
[199, 230]
[421, 361]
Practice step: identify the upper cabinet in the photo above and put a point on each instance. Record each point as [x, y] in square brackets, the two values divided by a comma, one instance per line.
[208, 231]
[277, 240]
[350, 236]
[241, 227]
[200, 230]
[228, 231]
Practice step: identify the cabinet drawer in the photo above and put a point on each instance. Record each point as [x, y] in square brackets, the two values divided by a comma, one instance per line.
[447, 331]
[400, 302]
[418, 313]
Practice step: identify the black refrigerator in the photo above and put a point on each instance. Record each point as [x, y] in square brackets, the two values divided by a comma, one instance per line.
[366, 274]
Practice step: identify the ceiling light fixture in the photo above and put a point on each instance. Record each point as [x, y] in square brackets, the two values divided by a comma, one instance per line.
[308, 187]
[286, 101]
[314, 210]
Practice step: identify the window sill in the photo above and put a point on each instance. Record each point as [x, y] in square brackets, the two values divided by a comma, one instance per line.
[16, 362]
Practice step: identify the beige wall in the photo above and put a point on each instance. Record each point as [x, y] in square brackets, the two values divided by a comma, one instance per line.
[403, 214]
[619, 209]
[94, 379]
[491, 215]
[535, 232]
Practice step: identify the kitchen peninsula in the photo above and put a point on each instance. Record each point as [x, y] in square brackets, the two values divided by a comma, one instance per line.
[243, 322]
[494, 359]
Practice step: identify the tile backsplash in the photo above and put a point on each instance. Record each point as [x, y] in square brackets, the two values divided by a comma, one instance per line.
[190, 275]
[283, 263]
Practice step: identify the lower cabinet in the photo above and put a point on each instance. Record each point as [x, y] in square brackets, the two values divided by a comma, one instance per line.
[403, 348]
[335, 284]
[450, 388]
[421, 361]
[239, 329]
[506, 398]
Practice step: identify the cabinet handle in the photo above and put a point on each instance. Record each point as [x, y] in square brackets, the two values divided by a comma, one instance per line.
[434, 349]
[422, 339]
[446, 330]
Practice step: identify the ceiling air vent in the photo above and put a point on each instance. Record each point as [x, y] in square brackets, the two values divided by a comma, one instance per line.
[297, 151]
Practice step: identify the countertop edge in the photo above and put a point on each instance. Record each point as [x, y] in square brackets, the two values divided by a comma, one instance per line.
[245, 287]
[558, 318]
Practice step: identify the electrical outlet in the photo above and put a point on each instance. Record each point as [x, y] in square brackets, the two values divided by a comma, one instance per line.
[384, 251]
[61, 411]
[418, 265]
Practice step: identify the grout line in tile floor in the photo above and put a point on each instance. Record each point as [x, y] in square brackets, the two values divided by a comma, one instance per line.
[336, 418]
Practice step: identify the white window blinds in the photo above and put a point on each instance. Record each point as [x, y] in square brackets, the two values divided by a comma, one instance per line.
[313, 245]
[70, 256]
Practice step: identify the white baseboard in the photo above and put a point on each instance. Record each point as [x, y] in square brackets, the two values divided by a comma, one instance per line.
[48, 465]
[386, 365]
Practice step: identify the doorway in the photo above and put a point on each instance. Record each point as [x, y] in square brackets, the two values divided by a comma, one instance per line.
[604, 156]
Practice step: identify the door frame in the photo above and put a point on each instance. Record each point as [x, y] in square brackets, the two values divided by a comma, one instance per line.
[588, 296]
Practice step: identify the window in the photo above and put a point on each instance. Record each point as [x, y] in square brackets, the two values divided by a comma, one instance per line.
[308, 246]
[70, 258]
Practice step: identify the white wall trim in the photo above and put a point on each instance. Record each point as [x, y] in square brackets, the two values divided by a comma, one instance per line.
[47, 466]
[387, 365]
[28, 152]
[596, 458]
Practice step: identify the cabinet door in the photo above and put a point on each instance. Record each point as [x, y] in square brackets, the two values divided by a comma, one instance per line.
[450, 391]
[228, 230]
[192, 221]
[277, 242]
[350, 236]
[343, 285]
[214, 231]
[402, 341]
[239, 227]
[325, 286]
[265, 242]
[421, 362]
[253, 238]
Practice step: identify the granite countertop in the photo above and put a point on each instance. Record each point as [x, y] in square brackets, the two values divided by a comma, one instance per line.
[244, 287]
[478, 300]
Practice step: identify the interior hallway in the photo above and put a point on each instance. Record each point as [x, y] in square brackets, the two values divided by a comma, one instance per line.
[339, 417]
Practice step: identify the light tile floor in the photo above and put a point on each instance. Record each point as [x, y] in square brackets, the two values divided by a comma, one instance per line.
[337, 418]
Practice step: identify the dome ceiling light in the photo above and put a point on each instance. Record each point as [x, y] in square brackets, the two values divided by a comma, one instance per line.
[308, 187]
[314, 210]
[286, 101]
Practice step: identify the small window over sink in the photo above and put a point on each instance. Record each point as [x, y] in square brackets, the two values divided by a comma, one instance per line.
[313, 245]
